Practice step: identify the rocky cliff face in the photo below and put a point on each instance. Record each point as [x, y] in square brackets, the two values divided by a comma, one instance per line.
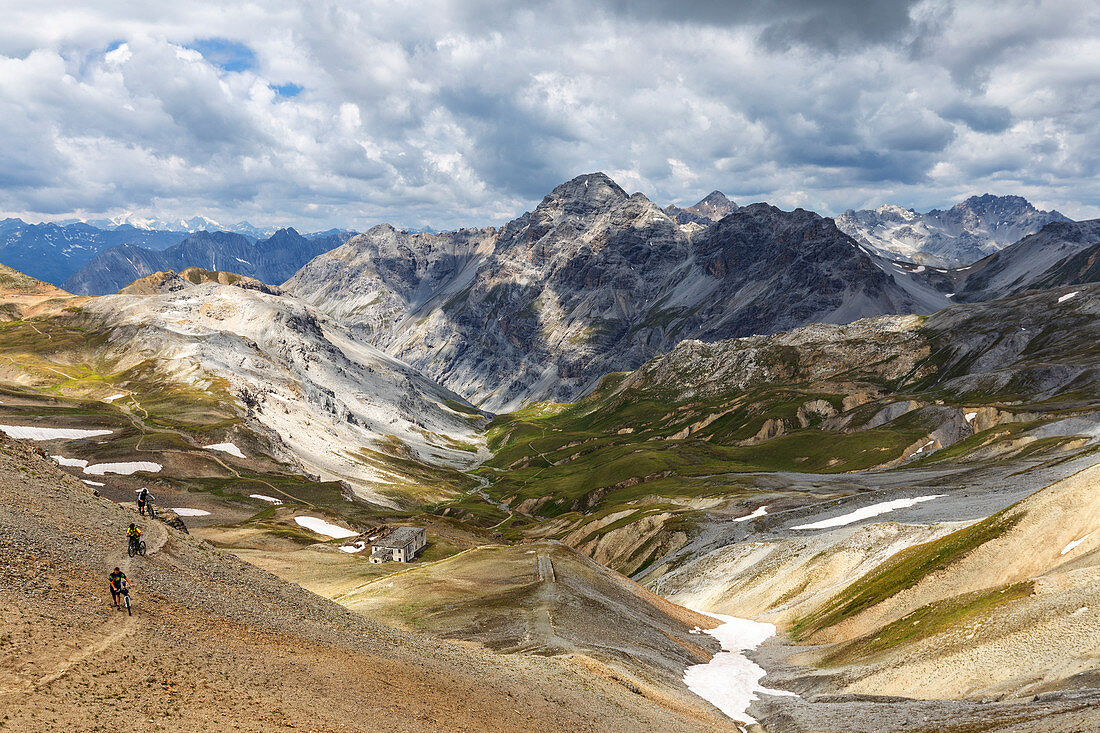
[963, 234]
[271, 260]
[592, 281]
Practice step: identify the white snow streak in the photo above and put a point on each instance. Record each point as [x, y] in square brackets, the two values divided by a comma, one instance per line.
[226, 448]
[1067, 296]
[25, 432]
[63, 461]
[1069, 548]
[921, 449]
[760, 511]
[730, 681]
[354, 547]
[185, 512]
[93, 483]
[320, 526]
[114, 397]
[868, 511]
[268, 499]
[970, 416]
[125, 469]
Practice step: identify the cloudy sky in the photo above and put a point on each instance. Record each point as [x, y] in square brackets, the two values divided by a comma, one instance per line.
[326, 113]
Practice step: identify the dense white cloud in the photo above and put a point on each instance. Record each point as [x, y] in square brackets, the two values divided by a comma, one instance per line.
[453, 113]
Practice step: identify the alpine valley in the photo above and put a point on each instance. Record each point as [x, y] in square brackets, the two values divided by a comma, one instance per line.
[719, 467]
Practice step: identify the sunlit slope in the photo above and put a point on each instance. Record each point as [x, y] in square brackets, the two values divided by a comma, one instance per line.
[1010, 604]
[212, 357]
[543, 599]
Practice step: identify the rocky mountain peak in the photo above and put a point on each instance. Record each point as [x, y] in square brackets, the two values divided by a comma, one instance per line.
[713, 206]
[584, 196]
[988, 202]
[283, 236]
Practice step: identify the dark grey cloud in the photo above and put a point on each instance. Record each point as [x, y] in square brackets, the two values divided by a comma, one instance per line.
[821, 23]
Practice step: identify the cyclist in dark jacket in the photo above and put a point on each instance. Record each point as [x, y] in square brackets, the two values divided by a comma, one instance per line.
[115, 580]
[143, 498]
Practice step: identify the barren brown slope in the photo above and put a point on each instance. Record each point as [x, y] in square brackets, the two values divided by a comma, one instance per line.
[544, 599]
[216, 642]
[21, 293]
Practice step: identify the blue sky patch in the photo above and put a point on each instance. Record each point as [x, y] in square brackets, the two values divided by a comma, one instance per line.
[287, 90]
[225, 54]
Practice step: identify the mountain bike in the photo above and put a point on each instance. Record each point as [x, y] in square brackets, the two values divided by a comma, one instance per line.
[149, 508]
[136, 547]
[125, 591]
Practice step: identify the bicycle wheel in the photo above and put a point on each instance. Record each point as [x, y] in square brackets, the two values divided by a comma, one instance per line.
[141, 548]
[131, 549]
[128, 611]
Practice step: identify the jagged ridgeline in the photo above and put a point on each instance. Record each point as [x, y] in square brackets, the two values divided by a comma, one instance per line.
[595, 281]
[971, 383]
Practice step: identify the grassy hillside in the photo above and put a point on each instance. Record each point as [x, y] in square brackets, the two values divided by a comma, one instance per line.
[969, 384]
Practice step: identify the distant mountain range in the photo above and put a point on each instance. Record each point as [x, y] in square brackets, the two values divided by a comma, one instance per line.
[55, 252]
[963, 234]
[595, 280]
[52, 252]
[189, 226]
[270, 260]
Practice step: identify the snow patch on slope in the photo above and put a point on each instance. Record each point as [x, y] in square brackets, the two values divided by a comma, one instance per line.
[731, 681]
[24, 432]
[229, 448]
[868, 511]
[320, 526]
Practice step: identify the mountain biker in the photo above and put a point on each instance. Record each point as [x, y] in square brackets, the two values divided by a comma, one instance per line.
[133, 533]
[143, 499]
[115, 581]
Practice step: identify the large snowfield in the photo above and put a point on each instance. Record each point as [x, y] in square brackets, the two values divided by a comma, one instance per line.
[124, 469]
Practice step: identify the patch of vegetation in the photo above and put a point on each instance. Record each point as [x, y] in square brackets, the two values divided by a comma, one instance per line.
[904, 570]
[927, 621]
